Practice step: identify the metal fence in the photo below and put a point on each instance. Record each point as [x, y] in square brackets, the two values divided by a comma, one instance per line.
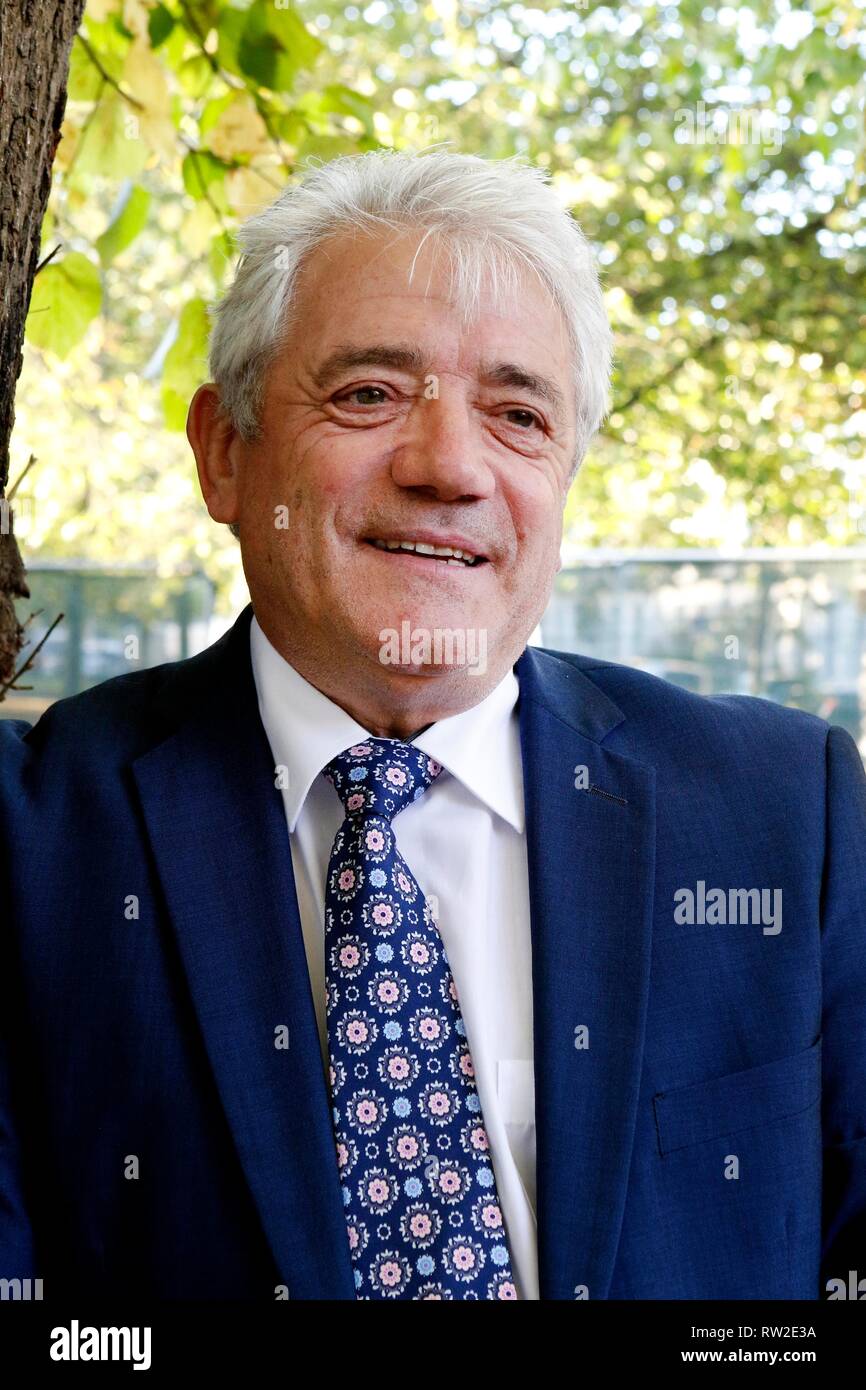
[114, 621]
[787, 625]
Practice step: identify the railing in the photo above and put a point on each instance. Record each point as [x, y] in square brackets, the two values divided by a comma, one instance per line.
[114, 621]
[787, 625]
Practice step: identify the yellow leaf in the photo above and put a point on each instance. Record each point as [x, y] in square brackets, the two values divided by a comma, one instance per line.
[135, 16]
[99, 10]
[197, 229]
[144, 79]
[248, 190]
[239, 130]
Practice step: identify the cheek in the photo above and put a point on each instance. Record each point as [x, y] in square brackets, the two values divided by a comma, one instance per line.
[538, 527]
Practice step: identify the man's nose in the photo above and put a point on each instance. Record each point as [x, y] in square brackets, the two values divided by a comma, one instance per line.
[442, 449]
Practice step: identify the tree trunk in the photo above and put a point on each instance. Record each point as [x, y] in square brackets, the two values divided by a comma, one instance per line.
[35, 39]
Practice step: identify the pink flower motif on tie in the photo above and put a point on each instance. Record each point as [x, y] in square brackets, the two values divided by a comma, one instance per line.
[357, 1031]
[438, 1103]
[463, 1257]
[479, 1138]
[390, 1273]
[466, 1065]
[398, 1068]
[378, 1191]
[449, 1180]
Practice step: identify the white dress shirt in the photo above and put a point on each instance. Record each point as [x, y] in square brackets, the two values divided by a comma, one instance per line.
[465, 843]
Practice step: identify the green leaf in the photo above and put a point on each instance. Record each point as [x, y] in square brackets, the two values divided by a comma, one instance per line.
[195, 75]
[221, 257]
[110, 145]
[185, 363]
[275, 46]
[343, 100]
[204, 176]
[231, 27]
[285, 24]
[212, 111]
[125, 226]
[159, 25]
[67, 296]
[85, 81]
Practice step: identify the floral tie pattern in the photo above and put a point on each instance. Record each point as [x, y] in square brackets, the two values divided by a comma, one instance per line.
[422, 1211]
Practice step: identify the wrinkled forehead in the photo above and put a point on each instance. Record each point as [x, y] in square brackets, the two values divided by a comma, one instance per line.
[471, 276]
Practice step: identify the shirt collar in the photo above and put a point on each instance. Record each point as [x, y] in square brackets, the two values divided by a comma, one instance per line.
[479, 746]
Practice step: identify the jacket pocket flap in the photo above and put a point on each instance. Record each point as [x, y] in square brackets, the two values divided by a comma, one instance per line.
[740, 1100]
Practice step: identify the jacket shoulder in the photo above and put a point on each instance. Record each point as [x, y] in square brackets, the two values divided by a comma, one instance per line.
[111, 721]
[661, 708]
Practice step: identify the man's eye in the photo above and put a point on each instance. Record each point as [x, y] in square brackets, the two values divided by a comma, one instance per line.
[528, 416]
[363, 391]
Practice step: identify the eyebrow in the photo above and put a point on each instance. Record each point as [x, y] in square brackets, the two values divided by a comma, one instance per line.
[405, 358]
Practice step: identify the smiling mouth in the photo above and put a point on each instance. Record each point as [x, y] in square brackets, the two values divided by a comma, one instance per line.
[445, 554]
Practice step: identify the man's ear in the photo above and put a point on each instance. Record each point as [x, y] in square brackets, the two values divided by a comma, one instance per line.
[216, 446]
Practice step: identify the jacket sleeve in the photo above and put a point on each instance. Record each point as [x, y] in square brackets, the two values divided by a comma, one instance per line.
[17, 1258]
[843, 951]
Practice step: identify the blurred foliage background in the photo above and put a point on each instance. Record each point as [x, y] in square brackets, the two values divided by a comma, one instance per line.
[715, 157]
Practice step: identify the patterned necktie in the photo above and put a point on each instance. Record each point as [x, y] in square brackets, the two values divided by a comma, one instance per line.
[422, 1211]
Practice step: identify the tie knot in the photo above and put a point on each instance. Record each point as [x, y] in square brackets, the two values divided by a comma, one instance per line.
[380, 776]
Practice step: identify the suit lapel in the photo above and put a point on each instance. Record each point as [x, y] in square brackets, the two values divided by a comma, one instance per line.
[217, 827]
[591, 865]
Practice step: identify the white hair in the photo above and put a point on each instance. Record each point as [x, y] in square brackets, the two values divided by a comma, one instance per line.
[494, 218]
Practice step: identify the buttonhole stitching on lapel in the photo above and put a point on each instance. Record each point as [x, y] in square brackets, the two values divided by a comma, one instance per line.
[600, 791]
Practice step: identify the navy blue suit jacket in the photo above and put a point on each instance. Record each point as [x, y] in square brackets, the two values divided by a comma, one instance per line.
[700, 1088]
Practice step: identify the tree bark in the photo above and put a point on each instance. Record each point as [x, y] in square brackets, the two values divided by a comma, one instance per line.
[35, 39]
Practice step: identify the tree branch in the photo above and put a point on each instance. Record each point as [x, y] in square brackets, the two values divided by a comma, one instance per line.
[106, 76]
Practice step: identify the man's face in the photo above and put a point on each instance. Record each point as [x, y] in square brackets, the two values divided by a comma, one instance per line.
[384, 422]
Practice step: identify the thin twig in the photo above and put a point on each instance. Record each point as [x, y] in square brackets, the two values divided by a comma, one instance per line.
[106, 76]
[10, 684]
[196, 155]
[50, 257]
[18, 481]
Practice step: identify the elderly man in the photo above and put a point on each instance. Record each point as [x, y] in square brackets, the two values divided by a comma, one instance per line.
[373, 954]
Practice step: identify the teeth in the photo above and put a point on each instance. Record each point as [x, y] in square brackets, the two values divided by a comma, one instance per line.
[447, 552]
